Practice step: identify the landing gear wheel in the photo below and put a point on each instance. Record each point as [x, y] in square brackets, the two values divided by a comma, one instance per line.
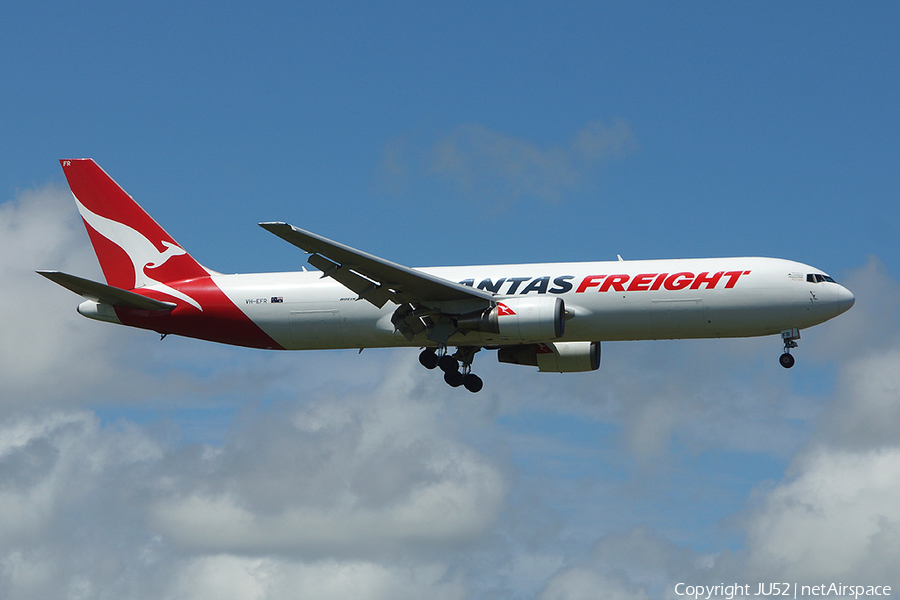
[454, 378]
[448, 364]
[473, 383]
[457, 367]
[428, 358]
[789, 337]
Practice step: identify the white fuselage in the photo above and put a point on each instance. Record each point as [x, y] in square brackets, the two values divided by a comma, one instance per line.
[618, 300]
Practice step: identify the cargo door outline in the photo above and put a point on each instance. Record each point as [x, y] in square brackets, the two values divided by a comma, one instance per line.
[316, 328]
[675, 317]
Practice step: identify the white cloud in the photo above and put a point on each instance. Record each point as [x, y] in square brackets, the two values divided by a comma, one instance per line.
[706, 394]
[352, 469]
[26, 576]
[64, 483]
[93, 511]
[837, 518]
[485, 163]
[497, 170]
[834, 515]
[39, 340]
[489, 165]
[631, 565]
[225, 577]
[348, 476]
[587, 584]
[871, 326]
[388, 484]
[51, 462]
[866, 411]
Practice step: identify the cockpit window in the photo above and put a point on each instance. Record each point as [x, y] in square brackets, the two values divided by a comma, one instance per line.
[819, 278]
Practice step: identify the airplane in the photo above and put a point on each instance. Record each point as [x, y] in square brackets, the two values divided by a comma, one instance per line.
[552, 316]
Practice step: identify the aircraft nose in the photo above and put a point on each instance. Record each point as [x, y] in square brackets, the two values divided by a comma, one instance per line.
[845, 299]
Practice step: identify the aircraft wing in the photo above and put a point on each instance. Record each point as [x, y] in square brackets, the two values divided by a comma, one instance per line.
[426, 304]
[381, 279]
[107, 294]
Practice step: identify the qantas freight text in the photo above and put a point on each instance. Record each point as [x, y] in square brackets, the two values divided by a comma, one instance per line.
[356, 300]
[645, 282]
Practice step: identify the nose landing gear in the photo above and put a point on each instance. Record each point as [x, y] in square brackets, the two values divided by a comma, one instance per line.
[457, 368]
[789, 337]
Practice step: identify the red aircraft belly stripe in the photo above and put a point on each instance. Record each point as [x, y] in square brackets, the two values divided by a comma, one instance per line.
[219, 321]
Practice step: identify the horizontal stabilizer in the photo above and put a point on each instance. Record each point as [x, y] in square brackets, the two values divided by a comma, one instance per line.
[106, 294]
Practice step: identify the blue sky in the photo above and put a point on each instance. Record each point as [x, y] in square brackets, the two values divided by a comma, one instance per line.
[450, 134]
[762, 130]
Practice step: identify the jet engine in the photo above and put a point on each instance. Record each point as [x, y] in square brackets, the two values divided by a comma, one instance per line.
[525, 319]
[554, 357]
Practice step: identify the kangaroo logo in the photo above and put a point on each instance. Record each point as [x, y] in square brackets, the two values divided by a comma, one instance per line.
[143, 253]
[504, 311]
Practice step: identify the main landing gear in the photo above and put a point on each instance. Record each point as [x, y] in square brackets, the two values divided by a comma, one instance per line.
[457, 368]
[789, 336]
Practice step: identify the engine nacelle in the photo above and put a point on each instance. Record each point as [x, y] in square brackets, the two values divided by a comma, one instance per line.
[526, 319]
[554, 357]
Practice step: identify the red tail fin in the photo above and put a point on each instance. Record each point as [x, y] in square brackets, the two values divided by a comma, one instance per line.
[133, 250]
